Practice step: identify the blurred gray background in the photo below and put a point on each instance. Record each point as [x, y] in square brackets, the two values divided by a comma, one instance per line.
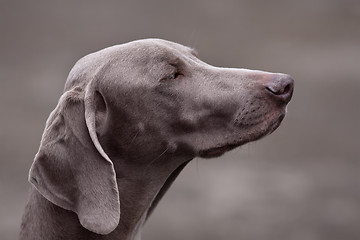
[300, 183]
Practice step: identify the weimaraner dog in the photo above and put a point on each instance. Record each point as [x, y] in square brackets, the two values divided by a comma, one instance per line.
[131, 117]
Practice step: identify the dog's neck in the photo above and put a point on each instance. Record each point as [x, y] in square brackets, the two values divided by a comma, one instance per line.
[140, 194]
[44, 220]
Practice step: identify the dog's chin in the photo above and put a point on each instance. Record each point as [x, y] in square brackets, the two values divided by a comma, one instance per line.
[217, 151]
[247, 135]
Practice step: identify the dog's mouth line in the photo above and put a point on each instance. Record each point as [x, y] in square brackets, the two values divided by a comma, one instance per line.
[221, 149]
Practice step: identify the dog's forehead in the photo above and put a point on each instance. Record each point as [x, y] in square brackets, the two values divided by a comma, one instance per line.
[164, 44]
[159, 47]
[140, 52]
[143, 50]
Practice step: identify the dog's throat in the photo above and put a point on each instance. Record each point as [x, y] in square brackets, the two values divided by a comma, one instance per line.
[165, 187]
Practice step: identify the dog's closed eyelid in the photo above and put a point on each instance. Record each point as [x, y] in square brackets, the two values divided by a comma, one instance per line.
[173, 76]
[174, 70]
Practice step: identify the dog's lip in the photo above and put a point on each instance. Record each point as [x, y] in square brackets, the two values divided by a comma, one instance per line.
[221, 149]
[276, 123]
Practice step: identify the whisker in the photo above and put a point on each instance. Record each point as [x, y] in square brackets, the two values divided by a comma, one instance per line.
[152, 161]
[137, 133]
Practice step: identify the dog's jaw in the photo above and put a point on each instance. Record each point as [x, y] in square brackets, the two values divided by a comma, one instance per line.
[253, 133]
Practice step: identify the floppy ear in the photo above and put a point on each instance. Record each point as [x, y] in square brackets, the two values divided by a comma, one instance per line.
[71, 168]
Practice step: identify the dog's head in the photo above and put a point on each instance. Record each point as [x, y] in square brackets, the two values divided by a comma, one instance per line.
[145, 108]
[163, 91]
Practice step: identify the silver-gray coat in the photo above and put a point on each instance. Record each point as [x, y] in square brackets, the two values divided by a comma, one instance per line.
[129, 120]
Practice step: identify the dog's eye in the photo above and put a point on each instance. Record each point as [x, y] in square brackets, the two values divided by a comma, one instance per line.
[174, 75]
[171, 77]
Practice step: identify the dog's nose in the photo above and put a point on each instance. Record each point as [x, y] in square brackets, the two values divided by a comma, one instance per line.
[281, 87]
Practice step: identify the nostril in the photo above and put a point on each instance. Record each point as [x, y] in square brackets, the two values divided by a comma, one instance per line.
[272, 90]
[281, 87]
[287, 88]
